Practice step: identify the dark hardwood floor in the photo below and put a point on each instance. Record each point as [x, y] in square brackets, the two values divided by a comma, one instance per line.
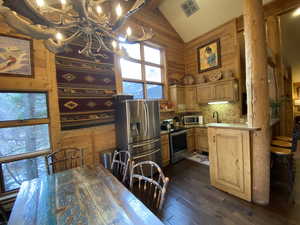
[192, 201]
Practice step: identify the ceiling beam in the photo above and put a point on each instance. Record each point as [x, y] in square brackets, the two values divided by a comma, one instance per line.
[153, 4]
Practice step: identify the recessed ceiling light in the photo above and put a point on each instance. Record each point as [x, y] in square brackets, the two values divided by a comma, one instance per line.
[296, 12]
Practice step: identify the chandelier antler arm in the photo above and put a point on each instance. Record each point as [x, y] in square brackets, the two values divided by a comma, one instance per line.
[80, 7]
[57, 47]
[44, 21]
[145, 37]
[24, 27]
[137, 6]
[120, 52]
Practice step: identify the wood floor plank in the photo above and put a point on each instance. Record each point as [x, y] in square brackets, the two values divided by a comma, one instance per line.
[192, 200]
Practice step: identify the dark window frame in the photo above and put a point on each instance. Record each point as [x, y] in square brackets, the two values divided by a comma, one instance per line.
[143, 64]
[23, 123]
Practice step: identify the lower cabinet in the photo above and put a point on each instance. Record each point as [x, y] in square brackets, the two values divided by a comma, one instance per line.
[190, 140]
[165, 149]
[201, 139]
[230, 162]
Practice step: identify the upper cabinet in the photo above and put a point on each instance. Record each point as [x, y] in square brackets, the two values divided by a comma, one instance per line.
[205, 94]
[177, 97]
[188, 98]
[226, 90]
[190, 95]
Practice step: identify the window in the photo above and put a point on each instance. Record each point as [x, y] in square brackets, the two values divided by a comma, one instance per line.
[142, 71]
[24, 138]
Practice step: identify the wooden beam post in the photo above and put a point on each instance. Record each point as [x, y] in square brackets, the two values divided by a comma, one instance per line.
[258, 98]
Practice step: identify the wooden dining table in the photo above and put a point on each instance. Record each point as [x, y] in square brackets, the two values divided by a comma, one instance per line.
[81, 196]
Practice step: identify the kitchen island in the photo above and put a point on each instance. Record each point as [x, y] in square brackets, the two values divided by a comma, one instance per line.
[230, 157]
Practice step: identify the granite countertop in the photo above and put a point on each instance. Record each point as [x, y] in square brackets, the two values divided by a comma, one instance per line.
[237, 126]
[195, 126]
[240, 126]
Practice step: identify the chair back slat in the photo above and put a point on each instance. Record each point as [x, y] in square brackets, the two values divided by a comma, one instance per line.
[64, 159]
[296, 137]
[151, 188]
[120, 164]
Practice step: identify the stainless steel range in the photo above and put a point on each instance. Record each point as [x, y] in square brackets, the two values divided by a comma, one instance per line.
[178, 144]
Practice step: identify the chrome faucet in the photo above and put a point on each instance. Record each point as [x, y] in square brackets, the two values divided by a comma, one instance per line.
[216, 116]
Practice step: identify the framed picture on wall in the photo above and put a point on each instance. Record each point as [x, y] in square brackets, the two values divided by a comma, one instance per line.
[16, 57]
[209, 56]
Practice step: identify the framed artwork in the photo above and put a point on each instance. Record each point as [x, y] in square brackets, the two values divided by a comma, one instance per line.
[16, 57]
[209, 56]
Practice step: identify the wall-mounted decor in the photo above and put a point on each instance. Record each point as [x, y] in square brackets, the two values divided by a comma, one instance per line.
[85, 89]
[16, 56]
[209, 56]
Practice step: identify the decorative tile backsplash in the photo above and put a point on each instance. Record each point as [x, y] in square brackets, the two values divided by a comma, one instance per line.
[228, 113]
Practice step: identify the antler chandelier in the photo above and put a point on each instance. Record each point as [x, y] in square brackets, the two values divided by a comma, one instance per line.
[60, 22]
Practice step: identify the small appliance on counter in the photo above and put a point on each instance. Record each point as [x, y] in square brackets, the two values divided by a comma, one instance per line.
[167, 125]
[193, 120]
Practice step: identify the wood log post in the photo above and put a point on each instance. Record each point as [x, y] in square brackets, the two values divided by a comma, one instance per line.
[274, 42]
[258, 98]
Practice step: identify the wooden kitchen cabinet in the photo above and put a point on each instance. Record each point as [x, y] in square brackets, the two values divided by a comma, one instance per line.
[190, 98]
[230, 162]
[190, 139]
[177, 97]
[201, 139]
[165, 149]
[205, 94]
[224, 90]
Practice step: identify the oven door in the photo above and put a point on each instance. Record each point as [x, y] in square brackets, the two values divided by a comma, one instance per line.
[178, 145]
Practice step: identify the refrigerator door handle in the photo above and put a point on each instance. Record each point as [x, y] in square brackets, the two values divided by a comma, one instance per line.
[146, 143]
[146, 118]
[147, 154]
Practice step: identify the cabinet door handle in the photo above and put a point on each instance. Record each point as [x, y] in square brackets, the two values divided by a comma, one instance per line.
[214, 139]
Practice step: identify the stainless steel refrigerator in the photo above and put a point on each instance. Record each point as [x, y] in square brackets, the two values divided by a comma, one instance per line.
[138, 129]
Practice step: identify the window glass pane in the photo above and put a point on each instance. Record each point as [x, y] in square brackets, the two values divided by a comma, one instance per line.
[152, 55]
[14, 173]
[22, 106]
[153, 74]
[133, 50]
[133, 88]
[24, 139]
[155, 91]
[131, 70]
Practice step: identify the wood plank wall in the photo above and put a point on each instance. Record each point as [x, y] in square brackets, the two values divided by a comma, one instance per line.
[230, 58]
[97, 139]
[227, 33]
[44, 79]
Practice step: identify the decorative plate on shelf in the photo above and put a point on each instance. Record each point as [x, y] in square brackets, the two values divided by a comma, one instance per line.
[215, 76]
[188, 79]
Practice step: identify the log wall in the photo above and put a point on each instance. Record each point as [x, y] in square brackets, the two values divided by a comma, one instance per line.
[97, 139]
[230, 60]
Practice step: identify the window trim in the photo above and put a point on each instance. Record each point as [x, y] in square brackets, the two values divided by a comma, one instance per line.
[22, 123]
[143, 64]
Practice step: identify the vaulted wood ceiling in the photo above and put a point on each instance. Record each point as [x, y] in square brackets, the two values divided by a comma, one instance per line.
[212, 13]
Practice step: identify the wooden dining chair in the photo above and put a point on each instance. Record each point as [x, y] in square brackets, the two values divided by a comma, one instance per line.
[64, 159]
[3, 215]
[149, 184]
[120, 164]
